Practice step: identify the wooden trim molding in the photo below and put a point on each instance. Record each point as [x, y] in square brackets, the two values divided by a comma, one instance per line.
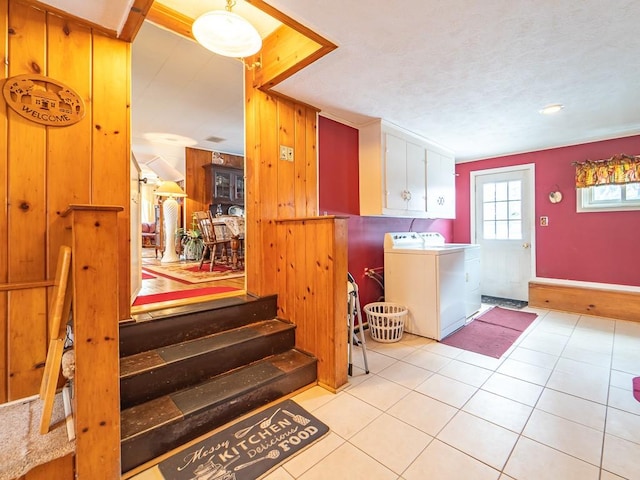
[601, 302]
[171, 20]
[137, 14]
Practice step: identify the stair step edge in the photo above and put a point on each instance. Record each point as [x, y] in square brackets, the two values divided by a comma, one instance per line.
[186, 406]
[171, 354]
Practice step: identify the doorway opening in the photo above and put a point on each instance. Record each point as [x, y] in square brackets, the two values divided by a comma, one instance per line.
[183, 96]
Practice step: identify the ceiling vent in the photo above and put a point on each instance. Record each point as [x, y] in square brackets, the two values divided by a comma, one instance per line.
[213, 139]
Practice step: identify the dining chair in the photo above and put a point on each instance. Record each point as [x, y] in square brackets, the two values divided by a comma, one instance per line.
[211, 242]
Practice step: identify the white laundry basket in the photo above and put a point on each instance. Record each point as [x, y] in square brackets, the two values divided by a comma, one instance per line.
[386, 321]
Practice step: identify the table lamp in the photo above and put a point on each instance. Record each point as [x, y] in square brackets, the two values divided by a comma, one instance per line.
[171, 190]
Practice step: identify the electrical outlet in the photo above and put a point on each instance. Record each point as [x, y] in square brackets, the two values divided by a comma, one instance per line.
[544, 221]
[290, 154]
[283, 152]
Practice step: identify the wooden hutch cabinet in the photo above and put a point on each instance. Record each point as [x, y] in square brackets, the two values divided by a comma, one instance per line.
[225, 184]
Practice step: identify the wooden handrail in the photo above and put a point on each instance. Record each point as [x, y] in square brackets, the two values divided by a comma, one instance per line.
[7, 287]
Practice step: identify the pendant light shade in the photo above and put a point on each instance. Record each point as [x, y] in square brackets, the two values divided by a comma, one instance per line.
[225, 33]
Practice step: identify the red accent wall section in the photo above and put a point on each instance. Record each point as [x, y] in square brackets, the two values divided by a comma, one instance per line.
[339, 195]
[592, 247]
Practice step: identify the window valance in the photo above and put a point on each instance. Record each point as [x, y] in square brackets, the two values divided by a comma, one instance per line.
[619, 169]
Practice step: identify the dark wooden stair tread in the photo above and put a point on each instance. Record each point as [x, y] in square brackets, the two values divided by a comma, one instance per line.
[173, 408]
[153, 359]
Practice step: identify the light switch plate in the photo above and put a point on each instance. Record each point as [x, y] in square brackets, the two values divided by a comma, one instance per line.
[283, 152]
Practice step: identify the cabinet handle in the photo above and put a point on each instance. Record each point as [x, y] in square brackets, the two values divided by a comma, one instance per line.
[406, 195]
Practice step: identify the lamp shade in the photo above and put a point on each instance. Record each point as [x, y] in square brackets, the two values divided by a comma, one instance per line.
[170, 189]
[225, 33]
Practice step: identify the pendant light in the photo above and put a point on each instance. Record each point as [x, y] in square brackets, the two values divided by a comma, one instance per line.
[225, 33]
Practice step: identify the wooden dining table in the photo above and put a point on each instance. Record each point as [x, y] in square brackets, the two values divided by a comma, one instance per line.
[234, 225]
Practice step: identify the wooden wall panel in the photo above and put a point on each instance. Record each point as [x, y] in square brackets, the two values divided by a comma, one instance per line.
[44, 169]
[267, 193]
[312, 290]
[286, 169]
[4, 175]
[601, 302]
[194, 182]
[311, 164]
[68, 148]
[26, 240]
[111, 145]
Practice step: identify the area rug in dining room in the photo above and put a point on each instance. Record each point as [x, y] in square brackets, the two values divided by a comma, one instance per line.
[190, 272]
[248, 449]
[492, 333]
[181, 295]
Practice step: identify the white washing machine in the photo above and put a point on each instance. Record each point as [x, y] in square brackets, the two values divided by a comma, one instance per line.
[431, 279]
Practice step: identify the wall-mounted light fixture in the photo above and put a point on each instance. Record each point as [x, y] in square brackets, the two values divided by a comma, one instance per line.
[226, 33]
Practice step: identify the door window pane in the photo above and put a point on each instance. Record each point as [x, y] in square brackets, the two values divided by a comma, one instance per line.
[488, 192]
[515, 190]
[489, 211]
[502, 210]
[502, 191]
[489, 230]
[515, 210]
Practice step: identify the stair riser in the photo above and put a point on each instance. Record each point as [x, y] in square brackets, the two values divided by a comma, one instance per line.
[157, 333]
[180, 374]
[145, 447]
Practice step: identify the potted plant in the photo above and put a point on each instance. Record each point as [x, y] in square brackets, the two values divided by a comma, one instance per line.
[191, 241]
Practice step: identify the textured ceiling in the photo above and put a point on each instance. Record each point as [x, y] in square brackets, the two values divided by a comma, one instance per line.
[473, 75]
[469, 75]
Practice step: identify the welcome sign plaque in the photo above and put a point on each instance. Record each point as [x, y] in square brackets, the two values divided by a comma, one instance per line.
[249, 448]
[43, 100]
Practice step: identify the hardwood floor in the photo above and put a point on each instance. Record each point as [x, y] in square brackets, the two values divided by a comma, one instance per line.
[162, 284]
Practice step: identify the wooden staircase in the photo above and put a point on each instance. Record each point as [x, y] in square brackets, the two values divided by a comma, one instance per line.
[187, 370]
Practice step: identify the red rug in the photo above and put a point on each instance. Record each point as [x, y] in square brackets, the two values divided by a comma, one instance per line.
[181, 294]
[147, 276]
[636, 388]
[492, 333]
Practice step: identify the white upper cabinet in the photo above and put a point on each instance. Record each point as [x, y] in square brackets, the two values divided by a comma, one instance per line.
[404, 175]
[441, 184]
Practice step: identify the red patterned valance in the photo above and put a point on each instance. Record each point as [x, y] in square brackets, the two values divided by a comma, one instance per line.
[618, 169]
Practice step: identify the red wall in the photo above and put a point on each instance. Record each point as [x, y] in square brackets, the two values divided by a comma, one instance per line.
[339, 195]
[592, 247]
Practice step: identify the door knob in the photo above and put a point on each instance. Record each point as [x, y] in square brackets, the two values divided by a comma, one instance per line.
[526, 245]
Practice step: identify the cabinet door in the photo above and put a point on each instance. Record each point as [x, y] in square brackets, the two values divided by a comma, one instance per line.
[395, 173]
[441, 185]
[416, 177]
[238, 182]
[222, 184]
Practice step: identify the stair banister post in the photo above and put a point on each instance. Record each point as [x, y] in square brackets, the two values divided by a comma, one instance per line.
[93, 234]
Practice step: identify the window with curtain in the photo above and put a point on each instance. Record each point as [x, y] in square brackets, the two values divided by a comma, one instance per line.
[608, 185]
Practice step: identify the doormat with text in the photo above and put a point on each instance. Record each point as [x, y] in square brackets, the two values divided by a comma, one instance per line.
[247, 449]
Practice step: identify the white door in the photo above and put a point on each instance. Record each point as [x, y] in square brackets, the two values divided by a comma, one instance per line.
[503, 227]
[135, 230]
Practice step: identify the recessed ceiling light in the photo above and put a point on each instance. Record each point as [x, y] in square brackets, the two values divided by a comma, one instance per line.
[551, 109]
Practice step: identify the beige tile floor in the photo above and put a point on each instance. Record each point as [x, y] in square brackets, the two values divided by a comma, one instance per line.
[558, 405]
